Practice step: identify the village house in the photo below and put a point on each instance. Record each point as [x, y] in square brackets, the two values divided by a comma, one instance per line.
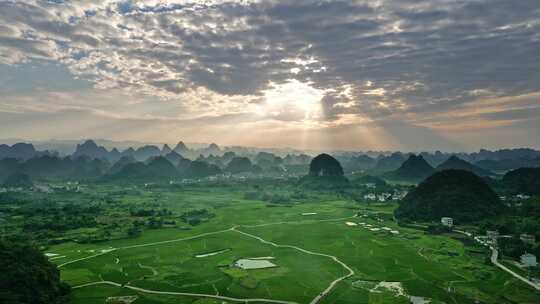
[528, 260]
[370, 196]
[522, 196]
[447, 221]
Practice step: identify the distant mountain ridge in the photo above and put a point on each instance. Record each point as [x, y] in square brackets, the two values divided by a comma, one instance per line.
[22, 151]
[455, 162]
[414, 169]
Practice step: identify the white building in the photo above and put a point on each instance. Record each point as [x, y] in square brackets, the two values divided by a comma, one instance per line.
[370, 196]
[523, 196]
[528, 260]
[447, 221]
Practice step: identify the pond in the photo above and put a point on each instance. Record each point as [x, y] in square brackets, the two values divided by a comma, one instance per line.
[254, 264]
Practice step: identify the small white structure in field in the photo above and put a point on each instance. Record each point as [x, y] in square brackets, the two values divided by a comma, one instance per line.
[528, 260]
[447, 221]
[370, 196]
[523, 196]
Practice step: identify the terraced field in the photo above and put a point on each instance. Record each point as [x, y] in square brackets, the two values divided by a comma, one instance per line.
[319, 259]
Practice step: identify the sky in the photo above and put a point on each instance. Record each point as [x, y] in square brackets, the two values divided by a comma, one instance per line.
[451, 75]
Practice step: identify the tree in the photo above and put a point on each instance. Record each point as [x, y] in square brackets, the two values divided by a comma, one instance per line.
[18, 180]
[27, 276]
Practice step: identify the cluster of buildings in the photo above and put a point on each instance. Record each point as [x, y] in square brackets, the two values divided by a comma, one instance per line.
[45, 188]
[385, 196]
[526, 259]
[515, 200]
[447, 222]
[373, 228]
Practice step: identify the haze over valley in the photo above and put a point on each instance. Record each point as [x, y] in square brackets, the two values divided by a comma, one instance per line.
[269, 151]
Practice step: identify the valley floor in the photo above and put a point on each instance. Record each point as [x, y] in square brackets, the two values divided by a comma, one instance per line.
[320, 258]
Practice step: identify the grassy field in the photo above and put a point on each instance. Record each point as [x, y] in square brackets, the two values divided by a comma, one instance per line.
[387, 268]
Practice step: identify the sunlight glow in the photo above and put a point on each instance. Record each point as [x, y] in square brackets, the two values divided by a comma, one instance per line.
[293, 97]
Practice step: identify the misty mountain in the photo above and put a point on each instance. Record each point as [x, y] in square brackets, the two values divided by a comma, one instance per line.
[389, 163]
[55, 168]
[91, 150]
[239, 165]
[121, 163]
[325, 172]
[161, 167]
[174, 157]
[146, 152]
[22, 151]
[166, 149]
[523, 180]
[508, 164]
[414, 169]
[181, 148]
[455, 162]
[198, 169]
[357, 162]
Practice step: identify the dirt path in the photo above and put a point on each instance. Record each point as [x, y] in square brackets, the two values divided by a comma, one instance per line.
[187, 294]
[144, 245]
[318, 298]
[494, 260]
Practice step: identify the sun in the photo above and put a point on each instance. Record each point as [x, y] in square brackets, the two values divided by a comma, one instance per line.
[293, 96]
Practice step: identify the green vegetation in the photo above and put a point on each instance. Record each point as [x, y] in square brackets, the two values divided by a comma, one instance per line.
[325, 165]
[134, 233]
[414, 169]
[454, 193]
[18, 180]
[523, 180]
[454, 162]
[27, 277]
[325, 173]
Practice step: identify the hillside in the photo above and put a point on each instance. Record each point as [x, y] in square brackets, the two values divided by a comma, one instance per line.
[458, 194]
[389, 163]
[523, 180]
[28, 276]
[414, 169]
[454, 162]
[325, 172]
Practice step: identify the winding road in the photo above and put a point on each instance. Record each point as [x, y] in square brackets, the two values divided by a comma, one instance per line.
[495, 261]
[187, 294]
[316, 300]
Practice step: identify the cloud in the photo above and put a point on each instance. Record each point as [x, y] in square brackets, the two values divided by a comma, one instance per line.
[371, 60]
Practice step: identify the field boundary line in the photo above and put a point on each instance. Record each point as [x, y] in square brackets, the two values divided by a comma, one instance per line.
[199, 236]
[145, 245]
[300, 222]
[325, 292]
[186, 294]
